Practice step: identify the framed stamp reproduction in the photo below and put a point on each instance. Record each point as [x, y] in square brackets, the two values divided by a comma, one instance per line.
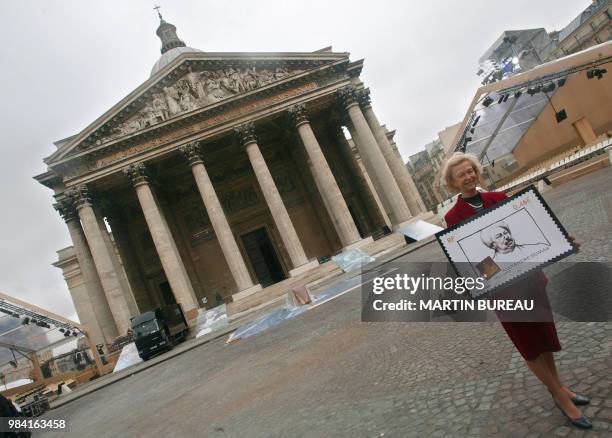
[506, 242]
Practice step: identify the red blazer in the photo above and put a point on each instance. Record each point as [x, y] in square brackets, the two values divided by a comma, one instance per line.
[462, 210]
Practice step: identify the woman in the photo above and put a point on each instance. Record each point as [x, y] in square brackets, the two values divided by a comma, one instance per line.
[536, 341]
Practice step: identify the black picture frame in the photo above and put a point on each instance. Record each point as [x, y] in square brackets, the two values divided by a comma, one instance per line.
[531, 188]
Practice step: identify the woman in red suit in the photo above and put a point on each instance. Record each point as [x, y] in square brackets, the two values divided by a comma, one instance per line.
[536, 341]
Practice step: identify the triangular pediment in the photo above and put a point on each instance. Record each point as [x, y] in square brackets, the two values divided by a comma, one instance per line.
[190, 83]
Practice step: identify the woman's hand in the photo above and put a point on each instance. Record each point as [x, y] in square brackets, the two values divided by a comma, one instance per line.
[576, 244]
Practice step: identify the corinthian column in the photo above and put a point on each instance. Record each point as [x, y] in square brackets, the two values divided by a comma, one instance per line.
[226, 239]
[325, 181]
[372, 155]
[93, 310]
[291, 241]
[398, 167]
[102, 258]
[164, 243]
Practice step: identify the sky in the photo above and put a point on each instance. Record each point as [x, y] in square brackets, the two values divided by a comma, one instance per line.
[64, 63]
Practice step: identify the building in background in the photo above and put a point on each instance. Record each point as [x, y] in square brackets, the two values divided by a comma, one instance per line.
[425, 167]
[591, 27]
[519, 123]
[222, 174]
[517, 51]
[543, 94]
[514, 51]
[447, 137]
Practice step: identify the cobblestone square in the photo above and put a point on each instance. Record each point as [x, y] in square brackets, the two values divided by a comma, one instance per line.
[325, 373]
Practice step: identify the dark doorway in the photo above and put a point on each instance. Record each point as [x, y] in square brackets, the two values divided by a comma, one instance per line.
[263, 257]
[167, 294]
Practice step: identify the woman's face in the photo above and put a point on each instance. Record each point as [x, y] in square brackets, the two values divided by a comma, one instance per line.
[464, 177]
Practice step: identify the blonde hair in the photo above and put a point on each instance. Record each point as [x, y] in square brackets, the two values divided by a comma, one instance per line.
[454, 160]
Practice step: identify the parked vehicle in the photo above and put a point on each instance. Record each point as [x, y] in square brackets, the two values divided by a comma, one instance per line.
[159, 330]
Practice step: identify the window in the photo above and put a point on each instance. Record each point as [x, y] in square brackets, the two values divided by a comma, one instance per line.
[145, 329]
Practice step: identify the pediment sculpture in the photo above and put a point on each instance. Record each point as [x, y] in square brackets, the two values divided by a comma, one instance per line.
[197, 89]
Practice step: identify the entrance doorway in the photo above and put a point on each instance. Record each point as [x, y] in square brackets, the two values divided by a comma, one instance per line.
[263, 257]
[166, 293]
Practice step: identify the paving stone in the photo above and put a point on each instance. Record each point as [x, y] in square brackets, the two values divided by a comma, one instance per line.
[562, 431]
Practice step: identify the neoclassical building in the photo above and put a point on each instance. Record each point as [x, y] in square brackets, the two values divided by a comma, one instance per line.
[219, 176]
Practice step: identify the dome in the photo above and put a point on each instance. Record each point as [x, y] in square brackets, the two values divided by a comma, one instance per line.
[170, 56]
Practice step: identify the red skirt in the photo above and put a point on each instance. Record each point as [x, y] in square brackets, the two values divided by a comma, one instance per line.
[531, 338]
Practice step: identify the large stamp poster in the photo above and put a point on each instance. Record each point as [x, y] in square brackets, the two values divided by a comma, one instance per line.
[506, 242]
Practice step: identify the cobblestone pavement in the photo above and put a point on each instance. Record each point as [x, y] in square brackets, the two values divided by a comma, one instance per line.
[325, 373]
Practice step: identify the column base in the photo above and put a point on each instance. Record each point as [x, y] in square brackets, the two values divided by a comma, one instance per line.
[358, 244]
[246, 292]
[191, 316]
[312, 264]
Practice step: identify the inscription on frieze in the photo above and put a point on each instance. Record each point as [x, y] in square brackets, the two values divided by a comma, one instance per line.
[205, 124]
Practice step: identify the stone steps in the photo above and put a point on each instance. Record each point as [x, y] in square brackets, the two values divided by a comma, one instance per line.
[275, 294]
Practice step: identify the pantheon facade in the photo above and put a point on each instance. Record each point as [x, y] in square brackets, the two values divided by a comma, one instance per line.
[219, 176]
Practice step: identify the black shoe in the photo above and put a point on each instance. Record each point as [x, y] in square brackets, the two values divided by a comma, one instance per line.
[580, 400]
[581, 423]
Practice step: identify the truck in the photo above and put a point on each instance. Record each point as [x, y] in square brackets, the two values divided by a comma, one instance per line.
[159, 330]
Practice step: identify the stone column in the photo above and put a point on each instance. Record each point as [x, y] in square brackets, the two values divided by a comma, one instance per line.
[394, 161]
[118, 263]
[368, 196]
[121, 237]
[330, 192]
[246, 135]
[93, 310]
[375, 187]
[215, 212]
[164, 243]
[102, 259]
[413, 187]
[372, 155]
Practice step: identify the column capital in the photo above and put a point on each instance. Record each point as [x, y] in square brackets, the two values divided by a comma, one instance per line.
[137, 173]
[246, 133]
[65, 207]
[363, 97]
[347, 96]
[192, 152]
[80, 196]
[297, 113]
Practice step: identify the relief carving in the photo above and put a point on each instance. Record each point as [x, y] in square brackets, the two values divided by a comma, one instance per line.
[208, 122]
[237, 200]
[196, 220]
[197, 89]
[284, 184]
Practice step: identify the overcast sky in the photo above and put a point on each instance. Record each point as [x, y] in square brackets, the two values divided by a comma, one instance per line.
[64, 63]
